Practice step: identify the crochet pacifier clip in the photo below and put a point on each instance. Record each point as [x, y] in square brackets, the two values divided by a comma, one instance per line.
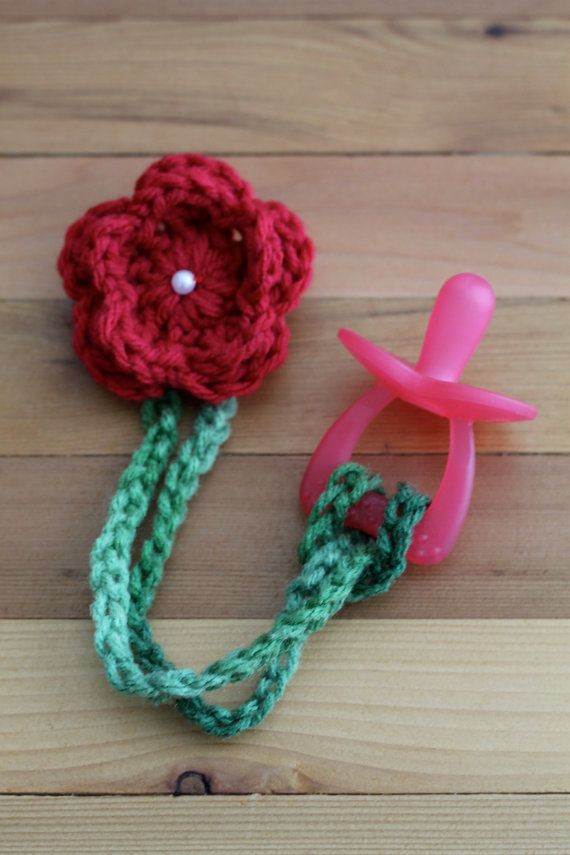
[184, 287]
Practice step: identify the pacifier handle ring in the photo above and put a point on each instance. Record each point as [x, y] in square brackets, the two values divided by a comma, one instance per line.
[436, 534]
[459, 319]
[338, 443]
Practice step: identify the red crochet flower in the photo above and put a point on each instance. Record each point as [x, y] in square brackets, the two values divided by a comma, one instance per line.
[251, 261]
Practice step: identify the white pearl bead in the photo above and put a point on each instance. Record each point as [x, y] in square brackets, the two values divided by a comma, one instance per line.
[183, 282]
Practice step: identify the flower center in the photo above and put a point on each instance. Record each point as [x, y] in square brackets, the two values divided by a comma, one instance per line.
[183, 282]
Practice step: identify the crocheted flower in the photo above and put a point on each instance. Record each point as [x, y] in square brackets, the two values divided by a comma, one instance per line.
[185, 285]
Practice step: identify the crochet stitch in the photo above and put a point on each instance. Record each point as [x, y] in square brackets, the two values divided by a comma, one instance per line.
[338, 566]
[251, 260]
[185, 286]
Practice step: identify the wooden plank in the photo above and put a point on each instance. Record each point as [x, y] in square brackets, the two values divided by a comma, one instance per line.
[473, 825]
[51, 405]
[383, 227]
[237, 550]
[354, 84]
[86, 9]
[376, 707]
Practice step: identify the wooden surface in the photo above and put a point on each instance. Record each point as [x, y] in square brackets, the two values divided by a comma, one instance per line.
[383, 226]
[511, 561]
[319, 825]
[50, 401]
[329, 85]
[416, 139]
[377, 707]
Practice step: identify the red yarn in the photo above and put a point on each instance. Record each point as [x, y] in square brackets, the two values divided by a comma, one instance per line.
[251, 259]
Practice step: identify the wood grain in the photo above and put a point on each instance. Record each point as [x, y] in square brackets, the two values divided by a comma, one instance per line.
[447, 694]
[37, 9]
[52, 406]
[383, 227]
[237, 549]
[376, 707]
[294, 85]
[348, 825]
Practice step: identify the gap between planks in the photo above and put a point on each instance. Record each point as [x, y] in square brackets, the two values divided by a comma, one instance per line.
[236, 9]
[358, 84]
[319, 825]
[376, 707]
[236, 551]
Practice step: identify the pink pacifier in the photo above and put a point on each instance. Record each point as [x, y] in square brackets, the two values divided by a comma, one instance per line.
[459, 319]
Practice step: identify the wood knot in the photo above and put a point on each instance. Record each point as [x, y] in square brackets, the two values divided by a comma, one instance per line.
[192, 783]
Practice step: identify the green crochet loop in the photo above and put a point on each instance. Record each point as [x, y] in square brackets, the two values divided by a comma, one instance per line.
[338, 566]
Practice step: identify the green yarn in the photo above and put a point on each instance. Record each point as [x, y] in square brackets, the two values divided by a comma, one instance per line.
[338, 566]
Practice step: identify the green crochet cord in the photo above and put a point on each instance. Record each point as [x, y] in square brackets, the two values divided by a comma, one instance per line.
[338, 566]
